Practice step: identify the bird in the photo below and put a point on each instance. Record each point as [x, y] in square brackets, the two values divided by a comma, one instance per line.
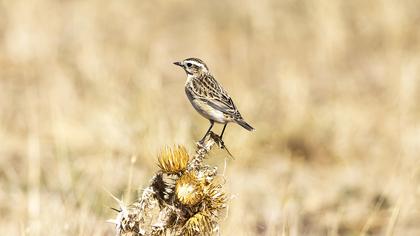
[209, 98]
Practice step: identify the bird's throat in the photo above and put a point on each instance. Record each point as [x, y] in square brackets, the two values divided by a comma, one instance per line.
[189, 78]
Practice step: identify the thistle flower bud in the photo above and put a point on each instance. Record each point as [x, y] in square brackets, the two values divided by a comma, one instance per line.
[173, 160]
[188, 189]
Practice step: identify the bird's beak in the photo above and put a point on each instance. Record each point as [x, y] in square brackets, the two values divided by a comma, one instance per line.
[178, 63]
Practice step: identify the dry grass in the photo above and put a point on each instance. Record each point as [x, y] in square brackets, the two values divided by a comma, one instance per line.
[88, 92]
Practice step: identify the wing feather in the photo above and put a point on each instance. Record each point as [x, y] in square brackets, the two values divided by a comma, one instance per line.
[208, 90]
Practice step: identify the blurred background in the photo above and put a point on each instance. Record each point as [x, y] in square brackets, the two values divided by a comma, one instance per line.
[89, 96]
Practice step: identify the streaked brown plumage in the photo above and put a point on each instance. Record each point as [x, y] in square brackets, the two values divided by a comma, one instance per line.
[208, 97]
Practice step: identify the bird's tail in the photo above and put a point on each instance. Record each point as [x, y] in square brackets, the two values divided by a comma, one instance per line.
[243, 123]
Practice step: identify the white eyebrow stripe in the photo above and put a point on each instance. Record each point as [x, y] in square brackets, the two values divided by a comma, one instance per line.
[195, 63]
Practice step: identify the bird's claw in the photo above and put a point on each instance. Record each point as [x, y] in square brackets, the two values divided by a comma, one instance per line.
[220, 142]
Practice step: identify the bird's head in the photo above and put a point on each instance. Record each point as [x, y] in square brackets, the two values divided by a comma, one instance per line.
[193, 66]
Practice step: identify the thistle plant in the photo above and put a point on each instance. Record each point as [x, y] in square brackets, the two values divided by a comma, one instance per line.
[184, 197]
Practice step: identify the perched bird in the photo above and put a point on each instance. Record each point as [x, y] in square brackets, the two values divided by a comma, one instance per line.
[208, 97]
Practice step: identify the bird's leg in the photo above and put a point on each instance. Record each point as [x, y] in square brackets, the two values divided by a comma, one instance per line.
[211, 126]
[223, 130]
[221, 136]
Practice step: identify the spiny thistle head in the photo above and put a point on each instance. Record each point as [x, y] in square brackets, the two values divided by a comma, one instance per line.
[198, 224]
[173, 160]
[189, 190]
[184, 197]
[215, 198]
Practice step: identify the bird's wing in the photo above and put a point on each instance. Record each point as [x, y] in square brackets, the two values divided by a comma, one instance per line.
[210, 91]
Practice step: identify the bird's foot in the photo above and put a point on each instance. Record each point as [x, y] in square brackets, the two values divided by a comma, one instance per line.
[215, 137]
[200, 143]
[220, 142]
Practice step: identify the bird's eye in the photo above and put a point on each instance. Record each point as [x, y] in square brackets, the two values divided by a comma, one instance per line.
[189, 64]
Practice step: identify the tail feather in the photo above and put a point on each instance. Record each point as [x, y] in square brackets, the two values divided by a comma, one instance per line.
[245, 125]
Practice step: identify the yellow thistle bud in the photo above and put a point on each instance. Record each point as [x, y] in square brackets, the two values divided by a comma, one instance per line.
[188, 189]
[173, 160]
[198, 224]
